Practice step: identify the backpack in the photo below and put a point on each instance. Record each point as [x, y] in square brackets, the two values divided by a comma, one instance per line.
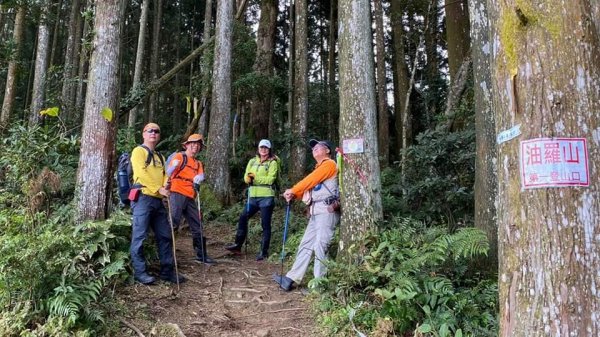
[125, 172]
[183, 162]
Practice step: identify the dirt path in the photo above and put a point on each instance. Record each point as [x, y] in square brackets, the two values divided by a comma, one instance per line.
[234, 298]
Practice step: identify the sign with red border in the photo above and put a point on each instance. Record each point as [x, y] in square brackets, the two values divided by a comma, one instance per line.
[554, 162]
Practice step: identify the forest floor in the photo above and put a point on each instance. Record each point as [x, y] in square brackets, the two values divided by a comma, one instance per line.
[236, 297]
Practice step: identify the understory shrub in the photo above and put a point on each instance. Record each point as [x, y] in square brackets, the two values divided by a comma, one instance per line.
[438, 186]
[55, 276]
[415, 279]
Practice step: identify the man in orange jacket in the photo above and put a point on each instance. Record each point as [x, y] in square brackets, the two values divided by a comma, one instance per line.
[185, 175]
[318, 190]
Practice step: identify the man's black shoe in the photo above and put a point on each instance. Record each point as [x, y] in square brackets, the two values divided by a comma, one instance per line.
[206, 260]
[173, 278]
[234, 248]
[144, 278]
[261, 257]
[284, 282]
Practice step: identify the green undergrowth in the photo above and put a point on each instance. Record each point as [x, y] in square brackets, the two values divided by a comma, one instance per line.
[56, 276]
[414, 280]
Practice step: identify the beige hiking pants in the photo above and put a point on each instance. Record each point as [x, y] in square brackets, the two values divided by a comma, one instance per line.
[317, 237]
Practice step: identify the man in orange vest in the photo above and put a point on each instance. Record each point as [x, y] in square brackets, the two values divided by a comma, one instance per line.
[185, 175]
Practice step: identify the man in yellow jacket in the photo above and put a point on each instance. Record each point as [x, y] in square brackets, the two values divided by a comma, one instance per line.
[148, 210]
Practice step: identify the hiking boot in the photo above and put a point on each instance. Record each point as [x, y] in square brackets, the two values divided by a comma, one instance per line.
[262, 256]
[234, 248]
[173, 278]
[144, 278]
[201, 255]
[284, 282]
[206, 260]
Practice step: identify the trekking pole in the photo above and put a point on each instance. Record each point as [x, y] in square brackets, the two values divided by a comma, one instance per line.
[285, 230]
[248, 225]
[202, 246]
[173, 239]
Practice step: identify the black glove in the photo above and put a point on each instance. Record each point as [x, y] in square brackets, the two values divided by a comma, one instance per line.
[197, 187]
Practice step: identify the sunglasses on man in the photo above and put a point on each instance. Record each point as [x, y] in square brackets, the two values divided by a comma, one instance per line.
[156, 131]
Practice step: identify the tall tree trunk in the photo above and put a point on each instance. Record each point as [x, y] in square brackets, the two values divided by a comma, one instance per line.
[155, 54]
[2, 15]
[485, 160]
[82, 69]
[177, 99]
[401, 78]
[300, 118]
[333, 107]
[94, 176]
[219, 131]
[139, 59]
[205, 99]
[434, 99]
[291, 65]
[457, 34]
[13, 65]
[69, 68]
[546, 73]
[41, 63]
[56, 33]
[360, 195]
[383, 130]
[261, 109]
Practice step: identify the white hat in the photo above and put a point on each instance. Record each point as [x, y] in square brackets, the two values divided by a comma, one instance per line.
[264, 142]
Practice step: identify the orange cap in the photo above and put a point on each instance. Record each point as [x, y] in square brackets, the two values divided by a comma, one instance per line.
[194, 138]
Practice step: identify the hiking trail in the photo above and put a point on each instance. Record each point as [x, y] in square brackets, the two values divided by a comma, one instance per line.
[235, 297]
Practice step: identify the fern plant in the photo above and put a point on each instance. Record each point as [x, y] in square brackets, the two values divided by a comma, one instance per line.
[419, 278]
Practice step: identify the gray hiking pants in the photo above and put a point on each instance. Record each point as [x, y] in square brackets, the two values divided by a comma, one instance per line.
[317, 238]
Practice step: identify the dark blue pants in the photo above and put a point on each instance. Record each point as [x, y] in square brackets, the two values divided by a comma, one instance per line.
[184, 206]
[149, 212]
[265, 205]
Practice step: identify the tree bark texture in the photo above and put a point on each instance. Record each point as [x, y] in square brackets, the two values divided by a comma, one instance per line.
[485, 160]
[219, 131]
[333, 109]
[139, 60]
[41, 63]
[546, 78]
[401, 78]
[361, 198]
[300, 88]
[155, 56]
[13, 65]
[260, 109]
[95, 173]
[69, 68]
[207, 20]
[457, 34]
[383, 130]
